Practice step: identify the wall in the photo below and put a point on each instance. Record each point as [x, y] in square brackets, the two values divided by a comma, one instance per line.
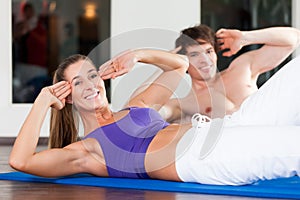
[296, 19]
[167, 16]
[154, 24]
[11, 116]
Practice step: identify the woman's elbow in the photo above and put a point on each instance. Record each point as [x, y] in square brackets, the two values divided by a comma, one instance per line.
[17, 164]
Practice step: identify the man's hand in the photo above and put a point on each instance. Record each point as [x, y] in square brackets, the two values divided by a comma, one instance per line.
[231, 40]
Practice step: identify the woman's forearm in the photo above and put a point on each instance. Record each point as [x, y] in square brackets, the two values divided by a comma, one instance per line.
[27, 139]
[165, 60]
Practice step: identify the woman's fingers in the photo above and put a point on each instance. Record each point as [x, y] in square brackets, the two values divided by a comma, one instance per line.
[118, 66]
[61, 89]
[58, 86]
[120, 73]
[104, 68]
[111, 69]
[63, 93]
[107, 72]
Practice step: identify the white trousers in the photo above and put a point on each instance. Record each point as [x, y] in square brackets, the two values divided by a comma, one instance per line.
[243, 155]
[259, 141]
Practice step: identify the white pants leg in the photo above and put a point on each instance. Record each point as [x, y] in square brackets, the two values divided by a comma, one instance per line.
[243, 155]
[277, 102]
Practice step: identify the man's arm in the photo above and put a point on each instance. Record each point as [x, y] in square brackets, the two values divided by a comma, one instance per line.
[278, 44]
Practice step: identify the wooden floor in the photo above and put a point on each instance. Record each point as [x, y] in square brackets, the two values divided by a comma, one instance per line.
[35, 191]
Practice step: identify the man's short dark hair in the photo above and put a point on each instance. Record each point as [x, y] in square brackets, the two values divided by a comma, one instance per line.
[189, 37]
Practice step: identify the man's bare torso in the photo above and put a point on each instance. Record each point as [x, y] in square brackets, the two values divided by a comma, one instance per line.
[221, 97]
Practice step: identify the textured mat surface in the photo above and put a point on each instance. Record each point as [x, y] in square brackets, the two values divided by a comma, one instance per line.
[278, 188]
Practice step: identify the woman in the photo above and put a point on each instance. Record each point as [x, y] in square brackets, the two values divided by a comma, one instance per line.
[137, 143]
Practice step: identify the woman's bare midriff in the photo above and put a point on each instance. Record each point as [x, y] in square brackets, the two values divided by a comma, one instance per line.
[161, 153]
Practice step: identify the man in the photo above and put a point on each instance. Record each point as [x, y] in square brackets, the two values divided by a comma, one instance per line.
[216, 94]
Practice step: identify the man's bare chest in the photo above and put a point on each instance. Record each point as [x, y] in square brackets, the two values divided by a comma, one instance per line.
[217, 101]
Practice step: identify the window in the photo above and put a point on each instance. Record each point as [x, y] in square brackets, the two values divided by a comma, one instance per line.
[45, 32]
[246, 15]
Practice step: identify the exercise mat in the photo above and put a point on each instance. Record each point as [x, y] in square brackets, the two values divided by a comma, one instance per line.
[277, 188]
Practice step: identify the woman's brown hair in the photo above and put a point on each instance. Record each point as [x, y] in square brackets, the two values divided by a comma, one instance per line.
[64, 122]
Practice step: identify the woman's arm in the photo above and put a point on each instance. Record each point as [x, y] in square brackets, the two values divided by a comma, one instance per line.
[54, 162]
[173, 68]
[171, 111]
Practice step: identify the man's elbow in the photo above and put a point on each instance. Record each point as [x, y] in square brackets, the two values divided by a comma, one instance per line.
[295, 42]
[186, 62]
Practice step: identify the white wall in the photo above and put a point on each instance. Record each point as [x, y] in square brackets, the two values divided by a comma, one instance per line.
[145, 23]
[11, 116]
[296, 19]
[167, 17]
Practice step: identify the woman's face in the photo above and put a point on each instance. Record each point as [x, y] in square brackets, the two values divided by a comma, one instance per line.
[88, 90]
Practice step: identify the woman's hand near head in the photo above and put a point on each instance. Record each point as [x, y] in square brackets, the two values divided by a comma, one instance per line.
[119, 65]
[125, 61]
[56, 94]
[23, 156]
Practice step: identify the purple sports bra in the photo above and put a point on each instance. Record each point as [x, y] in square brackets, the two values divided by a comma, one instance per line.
[124, 143]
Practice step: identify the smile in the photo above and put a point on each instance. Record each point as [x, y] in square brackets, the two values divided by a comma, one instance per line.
[205, 69]
[92, 96]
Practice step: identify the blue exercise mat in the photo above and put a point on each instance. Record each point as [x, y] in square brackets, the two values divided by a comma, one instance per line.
[277, 188]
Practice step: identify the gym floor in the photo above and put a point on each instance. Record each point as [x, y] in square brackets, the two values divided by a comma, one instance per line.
[25, 190]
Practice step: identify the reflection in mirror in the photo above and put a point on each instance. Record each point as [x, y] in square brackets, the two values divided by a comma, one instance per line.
[47, 31]
[246, 15]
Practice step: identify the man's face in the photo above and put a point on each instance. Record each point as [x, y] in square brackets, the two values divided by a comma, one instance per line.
[203, 61]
